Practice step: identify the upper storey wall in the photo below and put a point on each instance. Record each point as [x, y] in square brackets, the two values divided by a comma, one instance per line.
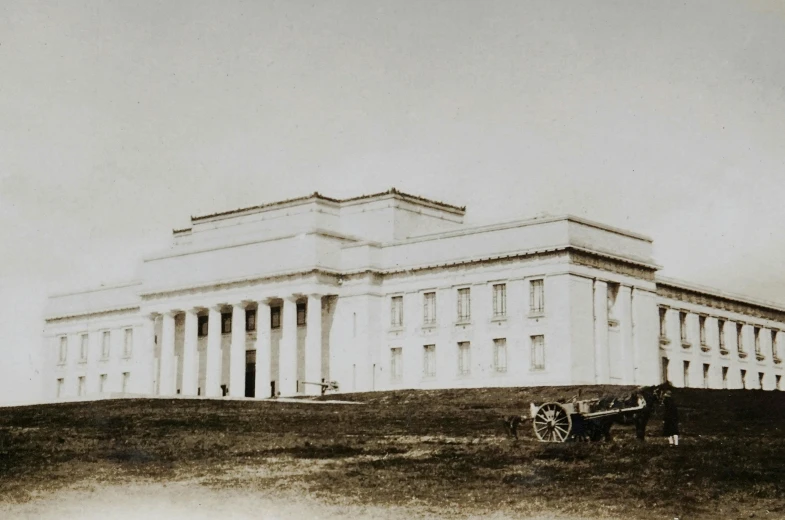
[95, 301]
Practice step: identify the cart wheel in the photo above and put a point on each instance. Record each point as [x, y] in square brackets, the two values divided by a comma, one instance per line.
[552, 423]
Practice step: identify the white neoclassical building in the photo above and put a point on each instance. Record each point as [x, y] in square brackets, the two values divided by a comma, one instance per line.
[390, 291]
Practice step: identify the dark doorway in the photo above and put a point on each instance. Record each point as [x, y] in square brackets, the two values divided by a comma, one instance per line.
[250, 373]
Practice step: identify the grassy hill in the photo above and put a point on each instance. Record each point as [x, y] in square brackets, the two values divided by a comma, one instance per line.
[443, 451]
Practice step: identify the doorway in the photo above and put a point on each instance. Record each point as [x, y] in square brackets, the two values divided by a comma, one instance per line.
[250, 373]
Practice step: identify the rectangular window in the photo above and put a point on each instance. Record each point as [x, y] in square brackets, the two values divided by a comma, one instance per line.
[102, 383]
[760, 380]
[744, 379]
[128, 343]
[756, 332]
[663, 322]
[396, 311]
[500, 355]
[80, 389]
[226, 323]
[538, 352]
[126, 382]
[774, 345]
[500, 300]
[250, 320]
[613, 294]
[204, 321]
[536, 297]
[664, 365]
[464, 358]
[464, 305]
[740, 337]
[301, 312]
[63, 354]
[778, 382]
[83, 348]
[721, 330]
[706, 372]
[686, 374]
[396, 364]
[683, 326]
[429, 308]
[275, 317]
[702, 328]
[429, 361]
[60, 387]
[724, 378]
[106, 342]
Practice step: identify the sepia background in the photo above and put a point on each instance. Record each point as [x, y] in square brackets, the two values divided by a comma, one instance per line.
[120, 120]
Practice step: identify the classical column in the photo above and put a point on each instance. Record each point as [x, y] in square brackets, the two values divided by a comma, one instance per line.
[237, 354]
[212, 380]
[190, 354]
[601, 352]
[313, 345]
[167, 376]
[144, 354]
[287, 355]
[263, 350]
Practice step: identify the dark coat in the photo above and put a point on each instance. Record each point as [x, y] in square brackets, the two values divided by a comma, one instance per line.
[670, 424]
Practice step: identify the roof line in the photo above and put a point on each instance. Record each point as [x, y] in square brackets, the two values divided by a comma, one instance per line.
[718, 293]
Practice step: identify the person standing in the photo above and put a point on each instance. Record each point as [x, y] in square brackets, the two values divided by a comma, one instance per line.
[670, 424]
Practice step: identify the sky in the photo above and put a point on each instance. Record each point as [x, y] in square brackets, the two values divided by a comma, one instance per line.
[119, 120]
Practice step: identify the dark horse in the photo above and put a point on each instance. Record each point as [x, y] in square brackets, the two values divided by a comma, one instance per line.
[648, 396]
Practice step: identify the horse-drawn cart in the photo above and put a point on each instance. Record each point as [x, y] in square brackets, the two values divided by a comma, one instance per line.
[558, 422]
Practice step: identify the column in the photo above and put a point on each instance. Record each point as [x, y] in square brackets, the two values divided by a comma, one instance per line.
[624, 304]
[190, 354]
[601, 354]
[263, 350]
[313, 345]
[212, 378]
[167, 373]
[237, 354]
[287, 357]
[143, 377]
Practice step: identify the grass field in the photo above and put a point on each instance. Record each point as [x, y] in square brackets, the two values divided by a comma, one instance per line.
[443, 452]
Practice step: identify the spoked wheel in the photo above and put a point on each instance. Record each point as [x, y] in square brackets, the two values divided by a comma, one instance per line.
[552, 423]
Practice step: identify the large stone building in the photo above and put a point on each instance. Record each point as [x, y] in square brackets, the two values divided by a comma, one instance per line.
[391, 291]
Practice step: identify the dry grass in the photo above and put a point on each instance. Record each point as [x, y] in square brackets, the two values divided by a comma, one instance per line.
[441, 451]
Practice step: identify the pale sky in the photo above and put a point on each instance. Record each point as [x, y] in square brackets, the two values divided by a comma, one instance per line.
[119, 120]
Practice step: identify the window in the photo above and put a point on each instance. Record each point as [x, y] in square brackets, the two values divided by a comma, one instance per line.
[760, 380]
[500, 355]
[744, 379]
[301, 314]
[756, 332]
[61, 387]
[83, 348]
[396, 364]
[226, 323]
[724, 378]
[702, 328]
[102, 383]
[250, 320]
[500, 300]
[536, 297]
[721, 329]
[429, 361]
[663, 322]
[464, 358]
[106, 342]
[126, 382]
[128, 343]
[664, 367]
[778, 382]
[683, 326]
[203, 324]
[686, 374]
[464, 305]
[275, 317]
[63, 354]
[80, 389]
[706, 372]
[774, 355]
[429, 308]
[396, 311]
[740, 337]
[538, 352]
[613, 294]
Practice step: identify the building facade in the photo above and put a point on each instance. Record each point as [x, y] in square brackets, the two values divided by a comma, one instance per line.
[392, 291]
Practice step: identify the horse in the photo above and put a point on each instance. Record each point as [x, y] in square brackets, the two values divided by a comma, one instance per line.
[649, 397]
